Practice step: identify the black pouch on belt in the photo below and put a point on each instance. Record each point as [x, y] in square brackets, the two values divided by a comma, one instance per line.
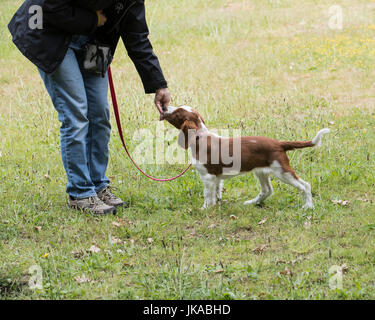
[96, 58]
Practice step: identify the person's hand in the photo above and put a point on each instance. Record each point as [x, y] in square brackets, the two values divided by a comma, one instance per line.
[102, 19]
[162, 99]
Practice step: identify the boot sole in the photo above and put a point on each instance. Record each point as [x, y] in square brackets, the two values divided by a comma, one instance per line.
[124, 204]
[87, 210]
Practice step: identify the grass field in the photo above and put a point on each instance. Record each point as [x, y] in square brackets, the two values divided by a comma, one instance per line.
[267, 67]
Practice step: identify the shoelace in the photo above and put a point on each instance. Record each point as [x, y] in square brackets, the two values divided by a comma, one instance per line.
[108, 193]
[95, 201]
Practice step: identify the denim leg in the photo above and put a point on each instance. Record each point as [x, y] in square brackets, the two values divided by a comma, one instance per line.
[99, 128]
[67, 90]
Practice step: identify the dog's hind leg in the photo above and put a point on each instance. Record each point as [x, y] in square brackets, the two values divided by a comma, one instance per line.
[308, 196]
[287, 175]
[266, 189]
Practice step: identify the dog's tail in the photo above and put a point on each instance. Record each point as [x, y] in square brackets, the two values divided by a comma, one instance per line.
[317, 141]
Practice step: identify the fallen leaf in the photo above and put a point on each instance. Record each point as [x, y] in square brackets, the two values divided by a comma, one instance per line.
[262, 221]
[261, 294]
[128, 264]
[38, 229]
[83, 279]
[94, 249]
[260, 249]
[343, 203]
[78, 254]
[344, 268]
[117, 240]
[286, 272]
[365, 200]
[116, 224]
[119, 223]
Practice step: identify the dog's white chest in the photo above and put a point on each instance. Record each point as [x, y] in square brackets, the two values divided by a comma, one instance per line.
[202, 170]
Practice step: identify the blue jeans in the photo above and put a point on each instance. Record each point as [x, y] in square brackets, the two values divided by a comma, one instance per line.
[80, 99]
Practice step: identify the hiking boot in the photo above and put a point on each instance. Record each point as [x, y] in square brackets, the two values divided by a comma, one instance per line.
[109, 198]
[91, 205]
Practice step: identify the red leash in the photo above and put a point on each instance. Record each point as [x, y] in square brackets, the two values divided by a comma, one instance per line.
[118, 121]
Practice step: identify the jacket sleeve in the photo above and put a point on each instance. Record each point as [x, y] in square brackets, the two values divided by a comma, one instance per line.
[64, 15]
[134, 33]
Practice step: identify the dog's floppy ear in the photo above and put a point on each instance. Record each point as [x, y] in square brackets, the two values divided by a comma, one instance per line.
[187, 134]
[200, 116]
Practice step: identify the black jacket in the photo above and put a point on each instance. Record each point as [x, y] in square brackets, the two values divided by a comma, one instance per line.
[46, 47]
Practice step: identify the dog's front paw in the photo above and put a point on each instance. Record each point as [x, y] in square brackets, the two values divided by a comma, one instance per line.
[206, 205]
[308, 206]
[253, 201]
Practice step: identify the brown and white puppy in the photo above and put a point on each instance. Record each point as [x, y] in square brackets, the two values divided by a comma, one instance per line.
[218, 158]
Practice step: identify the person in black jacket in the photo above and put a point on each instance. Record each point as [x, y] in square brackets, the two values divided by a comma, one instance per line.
[80, 97]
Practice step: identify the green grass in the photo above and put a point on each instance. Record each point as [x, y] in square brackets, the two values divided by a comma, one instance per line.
[268, 67]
